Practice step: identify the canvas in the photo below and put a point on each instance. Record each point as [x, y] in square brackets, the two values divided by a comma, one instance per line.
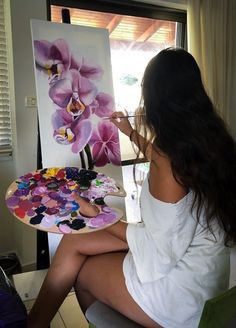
[74, 93]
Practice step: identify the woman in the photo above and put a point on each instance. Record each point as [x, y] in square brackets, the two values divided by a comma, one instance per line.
[160, 272]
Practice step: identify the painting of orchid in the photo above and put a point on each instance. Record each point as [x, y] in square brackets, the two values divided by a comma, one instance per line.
[74, 93]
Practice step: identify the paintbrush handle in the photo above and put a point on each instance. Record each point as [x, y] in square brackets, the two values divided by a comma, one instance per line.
[127, 116]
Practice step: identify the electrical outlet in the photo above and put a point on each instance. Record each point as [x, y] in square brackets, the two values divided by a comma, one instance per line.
[30, 101]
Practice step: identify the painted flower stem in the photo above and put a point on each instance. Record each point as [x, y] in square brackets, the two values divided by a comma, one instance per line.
[89, 157]
[83, 165]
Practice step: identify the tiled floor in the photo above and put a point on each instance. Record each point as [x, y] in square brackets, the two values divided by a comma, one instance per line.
[69, 314]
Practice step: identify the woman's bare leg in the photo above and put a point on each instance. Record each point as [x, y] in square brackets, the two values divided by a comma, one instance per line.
[85, 299]
[102, 277]
[69, 258]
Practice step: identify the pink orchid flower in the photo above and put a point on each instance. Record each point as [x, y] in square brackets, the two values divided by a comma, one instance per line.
[68, 131]
[52, 58]
[73, 92]
[86, 67]
[105, 144]
[103, 105]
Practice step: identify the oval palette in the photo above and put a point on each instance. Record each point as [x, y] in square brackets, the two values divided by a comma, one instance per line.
[47, 200]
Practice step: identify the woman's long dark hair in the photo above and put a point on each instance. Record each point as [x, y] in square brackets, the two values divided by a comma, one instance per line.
[183, 123]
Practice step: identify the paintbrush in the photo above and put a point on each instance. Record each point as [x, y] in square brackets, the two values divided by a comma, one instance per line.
[127, 116]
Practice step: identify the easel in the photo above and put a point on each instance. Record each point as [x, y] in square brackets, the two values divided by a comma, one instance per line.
[42, 256]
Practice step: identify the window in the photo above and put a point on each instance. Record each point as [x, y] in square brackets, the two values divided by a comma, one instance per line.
[5, 117]
[137, 32]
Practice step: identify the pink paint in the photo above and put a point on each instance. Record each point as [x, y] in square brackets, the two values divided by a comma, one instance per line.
[51, 203]
[102, 219]
[48, 221]
[64, 228]
[25, 204]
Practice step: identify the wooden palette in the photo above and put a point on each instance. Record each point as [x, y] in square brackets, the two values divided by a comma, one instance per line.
[46, 199]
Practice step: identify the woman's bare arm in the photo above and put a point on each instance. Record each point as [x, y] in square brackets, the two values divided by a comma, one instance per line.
[123, 124]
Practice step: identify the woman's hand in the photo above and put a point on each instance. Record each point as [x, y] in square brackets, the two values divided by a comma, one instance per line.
[86, 208]
[122, 122]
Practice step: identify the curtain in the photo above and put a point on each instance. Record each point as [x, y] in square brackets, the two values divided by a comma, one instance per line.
[211, 25]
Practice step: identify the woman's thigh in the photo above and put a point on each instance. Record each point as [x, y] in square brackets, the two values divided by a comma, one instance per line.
[102, 276]
[90, 244]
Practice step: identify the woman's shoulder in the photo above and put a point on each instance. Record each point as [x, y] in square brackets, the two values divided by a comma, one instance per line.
[163, 185]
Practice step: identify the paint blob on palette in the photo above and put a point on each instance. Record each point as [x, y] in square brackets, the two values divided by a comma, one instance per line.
[57, 199]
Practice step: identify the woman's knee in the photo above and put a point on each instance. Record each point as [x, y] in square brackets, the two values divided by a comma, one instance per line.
[94, 275]
[84, 276]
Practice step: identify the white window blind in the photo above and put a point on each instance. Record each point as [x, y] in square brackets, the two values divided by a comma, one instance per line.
[5, 117]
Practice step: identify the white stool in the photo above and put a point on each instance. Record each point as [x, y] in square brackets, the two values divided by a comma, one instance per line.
[100, 315]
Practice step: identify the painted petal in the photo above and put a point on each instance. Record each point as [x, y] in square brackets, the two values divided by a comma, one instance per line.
[99, 154]
[105, 105]
[61, 118]
[83, 89]
[64, 135]
[95, 137]
[61, 92]
[74, 76]
[115, 136]
[53, 78]
[93, 106]
[86, 113]
[42, 52]
[106, 130]
[60, 51]
[76, 61]
[83, 131]
[113, 153]
[87, 90]
[91, 70]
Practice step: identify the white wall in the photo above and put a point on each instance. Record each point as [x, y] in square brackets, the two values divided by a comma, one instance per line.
[15, 236]
[26, 119]
[7, 236]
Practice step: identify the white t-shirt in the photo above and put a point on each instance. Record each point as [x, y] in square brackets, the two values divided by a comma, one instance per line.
[174, 263]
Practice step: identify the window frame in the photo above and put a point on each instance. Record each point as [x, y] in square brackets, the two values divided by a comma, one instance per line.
[130, 8]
